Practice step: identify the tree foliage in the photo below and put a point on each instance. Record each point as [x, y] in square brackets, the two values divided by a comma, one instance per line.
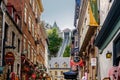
[54, 41]
[67, 52]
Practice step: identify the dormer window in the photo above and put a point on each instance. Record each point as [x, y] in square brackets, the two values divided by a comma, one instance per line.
[64, 65]
[56, 65]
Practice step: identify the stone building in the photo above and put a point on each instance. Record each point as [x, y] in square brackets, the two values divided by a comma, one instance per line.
[11, 35]
[86, 24]
[58, 66]
[32, 40]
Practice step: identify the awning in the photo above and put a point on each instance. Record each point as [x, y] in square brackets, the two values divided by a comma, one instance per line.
[70, 75]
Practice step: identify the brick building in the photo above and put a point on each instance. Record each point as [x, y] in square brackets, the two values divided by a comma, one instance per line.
[33, 40]
[11, 39]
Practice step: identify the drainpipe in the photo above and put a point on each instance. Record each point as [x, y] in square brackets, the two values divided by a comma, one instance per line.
[3, 34]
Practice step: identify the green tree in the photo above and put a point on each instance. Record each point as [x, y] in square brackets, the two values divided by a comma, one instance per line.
[54, 41]
[67, 52]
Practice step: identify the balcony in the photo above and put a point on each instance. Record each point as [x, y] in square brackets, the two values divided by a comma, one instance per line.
[87, 38]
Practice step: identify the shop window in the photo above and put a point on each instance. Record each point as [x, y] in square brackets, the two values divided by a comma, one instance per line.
[116, 49]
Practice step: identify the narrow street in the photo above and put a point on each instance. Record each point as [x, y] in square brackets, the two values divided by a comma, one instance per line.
[59, 40]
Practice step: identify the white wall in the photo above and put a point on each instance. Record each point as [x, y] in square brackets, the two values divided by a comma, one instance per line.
[104, 9]
[106, 64]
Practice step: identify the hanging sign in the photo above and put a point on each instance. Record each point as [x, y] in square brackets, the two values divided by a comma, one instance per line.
[9, 58]
[93, 61]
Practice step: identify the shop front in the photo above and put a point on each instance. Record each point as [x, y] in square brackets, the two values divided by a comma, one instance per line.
[27, 68]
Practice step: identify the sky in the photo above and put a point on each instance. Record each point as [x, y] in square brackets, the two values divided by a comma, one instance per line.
[61, 11]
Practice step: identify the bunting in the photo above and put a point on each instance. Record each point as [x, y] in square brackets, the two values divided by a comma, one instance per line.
[93, 13]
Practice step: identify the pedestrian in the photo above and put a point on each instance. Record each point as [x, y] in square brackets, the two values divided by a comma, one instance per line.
[114, 71]
[12, 76]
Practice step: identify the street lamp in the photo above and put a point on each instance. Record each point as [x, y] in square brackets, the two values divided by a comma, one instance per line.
[108, 54]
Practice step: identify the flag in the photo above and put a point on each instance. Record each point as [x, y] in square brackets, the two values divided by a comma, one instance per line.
[93, 13]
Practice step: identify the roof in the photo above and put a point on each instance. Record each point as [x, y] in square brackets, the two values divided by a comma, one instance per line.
[60, 61]
[67, 30]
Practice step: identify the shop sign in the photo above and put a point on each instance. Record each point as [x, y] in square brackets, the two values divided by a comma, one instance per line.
[9, 58]
[93, 61]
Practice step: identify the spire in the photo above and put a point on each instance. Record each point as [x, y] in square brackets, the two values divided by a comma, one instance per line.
[55, 25]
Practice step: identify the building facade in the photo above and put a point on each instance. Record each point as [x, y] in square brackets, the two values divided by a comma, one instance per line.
[108, 40]
[87, 24]
[24, 37]
[11, 35]
[58, 66]
[99, 44]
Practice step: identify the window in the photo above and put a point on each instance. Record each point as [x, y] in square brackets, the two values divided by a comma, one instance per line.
[36, 11]
[29, 23]
[31, 2]
[61, 72]
[55, 72]
[56, 65]
[28, 51]
[32, 56]
[33, 33]
[13, 38]
[18, 69]
[24, 45]
[76, 43]
[33, 5]
[25, 13]
[18, 45]
[64, 65]
[6, 32]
